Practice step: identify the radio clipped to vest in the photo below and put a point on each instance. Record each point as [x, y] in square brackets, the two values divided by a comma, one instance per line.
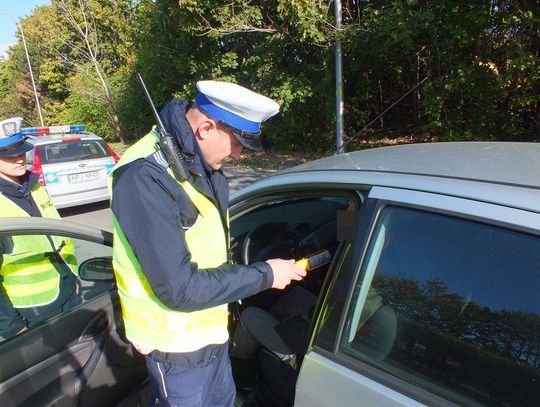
[168, 145]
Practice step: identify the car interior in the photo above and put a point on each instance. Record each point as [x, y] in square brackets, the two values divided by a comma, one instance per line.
[289, 228]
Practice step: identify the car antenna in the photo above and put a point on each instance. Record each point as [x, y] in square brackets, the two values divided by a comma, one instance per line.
[380, 115]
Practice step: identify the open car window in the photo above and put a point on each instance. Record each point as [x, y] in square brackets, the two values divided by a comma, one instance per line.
[289, 226]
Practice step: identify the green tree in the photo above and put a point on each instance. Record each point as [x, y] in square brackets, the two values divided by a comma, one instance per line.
[481, 59]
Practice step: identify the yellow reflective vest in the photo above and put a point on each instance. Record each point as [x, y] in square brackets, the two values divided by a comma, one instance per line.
[148, 322]
[29, 276]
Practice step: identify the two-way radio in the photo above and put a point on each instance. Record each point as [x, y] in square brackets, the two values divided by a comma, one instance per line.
[168, 145]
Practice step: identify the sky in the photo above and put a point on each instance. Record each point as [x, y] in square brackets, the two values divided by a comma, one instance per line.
[17, 9]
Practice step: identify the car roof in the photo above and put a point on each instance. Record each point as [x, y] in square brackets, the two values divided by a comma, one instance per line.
[495, 172]
[53, 138]
[493, 162]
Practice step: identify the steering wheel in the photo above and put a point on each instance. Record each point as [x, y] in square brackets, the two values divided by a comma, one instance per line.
[267, 241]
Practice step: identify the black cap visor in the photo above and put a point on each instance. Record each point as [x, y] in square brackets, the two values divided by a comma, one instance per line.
[249, 140]
[15, 149]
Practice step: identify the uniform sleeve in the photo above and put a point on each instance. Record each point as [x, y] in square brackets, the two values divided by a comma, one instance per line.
[11, 322]
[151, 209]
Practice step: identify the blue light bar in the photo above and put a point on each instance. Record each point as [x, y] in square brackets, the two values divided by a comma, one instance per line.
[37, 131]
[77, 128]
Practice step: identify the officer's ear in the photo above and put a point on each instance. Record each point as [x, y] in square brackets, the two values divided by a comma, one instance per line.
[205, 129]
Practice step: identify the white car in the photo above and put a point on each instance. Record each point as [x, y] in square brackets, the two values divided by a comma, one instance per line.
[72, 164]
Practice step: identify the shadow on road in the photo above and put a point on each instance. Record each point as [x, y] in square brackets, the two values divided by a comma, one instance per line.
[77, 210]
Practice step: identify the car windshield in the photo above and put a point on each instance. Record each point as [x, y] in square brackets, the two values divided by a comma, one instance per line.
[72, 151]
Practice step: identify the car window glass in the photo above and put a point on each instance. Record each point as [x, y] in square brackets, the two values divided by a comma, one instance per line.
[39, 278]
[332, 307]
[452, 306]
[71, 151]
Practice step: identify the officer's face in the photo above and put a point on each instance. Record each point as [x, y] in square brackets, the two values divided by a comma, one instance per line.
[221, 146]
[11, 168]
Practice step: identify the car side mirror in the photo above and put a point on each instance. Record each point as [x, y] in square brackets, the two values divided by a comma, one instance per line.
[97, 269]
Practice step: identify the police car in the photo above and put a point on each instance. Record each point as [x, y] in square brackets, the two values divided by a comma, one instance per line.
[72, 164]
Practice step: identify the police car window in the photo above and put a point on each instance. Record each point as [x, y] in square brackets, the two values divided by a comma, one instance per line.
[39, 276]
[71, 151]
[452, 306]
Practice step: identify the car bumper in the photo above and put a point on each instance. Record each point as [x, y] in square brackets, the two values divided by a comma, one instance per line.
[80, 198]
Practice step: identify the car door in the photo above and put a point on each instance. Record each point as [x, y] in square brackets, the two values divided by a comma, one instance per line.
[436, 304]
[79, 357]
[291, 222]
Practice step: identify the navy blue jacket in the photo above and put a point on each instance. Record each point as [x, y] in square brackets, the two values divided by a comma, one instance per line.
[154, 212]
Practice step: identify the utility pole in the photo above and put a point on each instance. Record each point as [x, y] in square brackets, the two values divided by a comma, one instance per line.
[339, 81]
[18, 22]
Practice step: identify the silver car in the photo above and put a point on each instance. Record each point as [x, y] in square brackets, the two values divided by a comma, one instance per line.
[431, 296]
[73, 166]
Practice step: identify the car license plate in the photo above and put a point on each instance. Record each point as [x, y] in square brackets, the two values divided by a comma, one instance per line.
[82, 177]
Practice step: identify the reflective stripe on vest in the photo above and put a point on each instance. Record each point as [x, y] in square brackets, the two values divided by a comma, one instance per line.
[29, 277]
[148, 322]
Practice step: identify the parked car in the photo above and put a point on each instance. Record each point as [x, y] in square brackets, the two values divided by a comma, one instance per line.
[432, 294]
[72, 164]
[431, 297]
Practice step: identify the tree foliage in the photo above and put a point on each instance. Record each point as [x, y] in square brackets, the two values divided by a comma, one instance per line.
[480, 57]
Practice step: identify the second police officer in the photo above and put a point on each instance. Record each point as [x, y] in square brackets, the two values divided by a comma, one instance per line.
[37, 273]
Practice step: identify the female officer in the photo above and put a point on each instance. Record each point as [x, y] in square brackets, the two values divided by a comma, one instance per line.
[37, 273]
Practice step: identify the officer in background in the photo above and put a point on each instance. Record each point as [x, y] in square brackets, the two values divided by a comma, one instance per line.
[37, 273]
[171, 239]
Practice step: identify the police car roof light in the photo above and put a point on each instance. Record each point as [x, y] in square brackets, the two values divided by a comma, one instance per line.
[37, 131]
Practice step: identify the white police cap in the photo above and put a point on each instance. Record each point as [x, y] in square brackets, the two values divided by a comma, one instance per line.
[11, 126]
[12, 142]
[237, 107]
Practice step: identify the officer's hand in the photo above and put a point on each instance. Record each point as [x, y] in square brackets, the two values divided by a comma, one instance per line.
[284, 272]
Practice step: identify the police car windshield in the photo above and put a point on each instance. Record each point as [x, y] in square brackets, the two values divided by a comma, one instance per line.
[72, 151]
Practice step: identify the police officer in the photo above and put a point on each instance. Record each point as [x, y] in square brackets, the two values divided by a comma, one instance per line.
[36, 272]
[171, 243]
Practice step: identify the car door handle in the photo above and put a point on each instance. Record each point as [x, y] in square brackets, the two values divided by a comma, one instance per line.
[97, 326]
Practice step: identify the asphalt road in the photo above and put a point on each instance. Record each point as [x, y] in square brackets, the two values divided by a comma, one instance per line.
[99, 215]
